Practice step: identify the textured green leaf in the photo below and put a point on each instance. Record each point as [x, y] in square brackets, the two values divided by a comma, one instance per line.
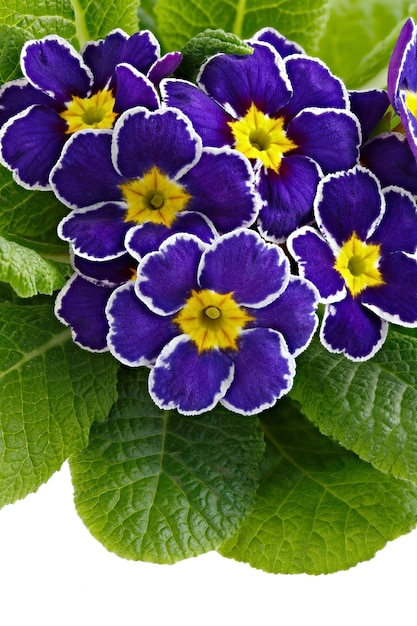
[369, 407]
[50, 393]
[360, 36]
[300, 20]
[155, 486]
[319, 508]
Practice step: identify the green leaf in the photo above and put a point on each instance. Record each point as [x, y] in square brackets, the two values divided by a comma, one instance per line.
[28, 272]
[204, 45]
[50, 393]
[359, 37]
[156, 486]
[370, 407]
[300, 20]
[319, 508]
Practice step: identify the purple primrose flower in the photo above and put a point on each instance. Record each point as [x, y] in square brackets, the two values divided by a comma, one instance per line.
[283, 110]
[361, 261]
[64, 91]
[219, 322]
[150, 170]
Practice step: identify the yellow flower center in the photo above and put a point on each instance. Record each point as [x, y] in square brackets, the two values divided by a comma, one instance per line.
[411, 102]
[93, 112]
[153, 198]
[258, 136]
[357, 263]
[212, 320]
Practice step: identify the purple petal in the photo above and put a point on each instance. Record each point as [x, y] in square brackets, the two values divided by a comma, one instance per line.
[395, 300]
[348, 202]
[316, 262]
[243, 263]
[406, 40]
[53, 65]
[369, 107]
[221, 187]
[236, 82]
[313, 86]
[209, 120]
[288, 197]
[31, 143]
[189, 381]
[166, 277]
[293, 314]
[164, 67]
[96, 234]
[136, 335]
[164, 138]
[398, 228]
[389, 157]
[17, 95]
[264, 372]
[350, 328]
[84, 175]
[81, 305]
[329, 136]
[133, 89]
[282, 45]
[110, 273]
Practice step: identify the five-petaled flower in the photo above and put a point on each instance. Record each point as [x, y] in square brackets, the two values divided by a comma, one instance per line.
[282, 109]
[215, 322]
[361, 261]
[64, 91]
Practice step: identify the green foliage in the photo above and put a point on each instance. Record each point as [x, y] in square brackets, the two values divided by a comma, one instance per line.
[51, 392]
[155, 486]
[319, 508]
[370, 406]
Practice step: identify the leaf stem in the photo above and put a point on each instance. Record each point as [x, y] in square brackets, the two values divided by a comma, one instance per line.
[81, 29]
[238, 23]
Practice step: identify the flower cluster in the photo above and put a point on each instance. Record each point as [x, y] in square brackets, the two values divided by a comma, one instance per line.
[186, 199]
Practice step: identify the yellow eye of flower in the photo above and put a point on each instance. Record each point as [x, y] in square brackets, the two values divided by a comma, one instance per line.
[411, 102]
[258, 136]
[357, 263]
[153, 198]
[93, 112]
[212, 320]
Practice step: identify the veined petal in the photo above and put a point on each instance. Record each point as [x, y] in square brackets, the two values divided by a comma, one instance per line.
[406, 40]
[111, 273]
[167, 276]
[187, 380]
[17, 95]
[351, 329]
[264, 372]
[282, 45]
[236, 262]
[53, 65]
[369, 107]
[165, 66]
[164, 139]
[397, 229]
[136, 335]
[390, 157]
[133, 89]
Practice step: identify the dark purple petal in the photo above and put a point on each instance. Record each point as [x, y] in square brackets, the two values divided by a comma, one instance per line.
[136, 335]
[166, 277]
[53, 65]
[31, 143]
[329, 136]
[241, 262]
[407, 39]
[147, 237]
[350, 328]
[398, 228]
[17, 95]
[96, 234]
[264, 371]
[187, 380]
[81, 305]
[313, 86]
[395, 300]
[164, 67]
[293, 314]
[236, 82]
[110, 273]
[133, 89]
[282, 45]
[316, 262]
[208, 118]
[164, 139]
[221, 187]
[348, 202]
[389, 157]
[288, 197]
[369, 107]
[84, 175]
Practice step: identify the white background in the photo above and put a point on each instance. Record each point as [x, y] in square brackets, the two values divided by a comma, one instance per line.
[54, 573]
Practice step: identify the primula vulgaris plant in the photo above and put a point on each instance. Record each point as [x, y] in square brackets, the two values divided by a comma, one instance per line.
[179, 218]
